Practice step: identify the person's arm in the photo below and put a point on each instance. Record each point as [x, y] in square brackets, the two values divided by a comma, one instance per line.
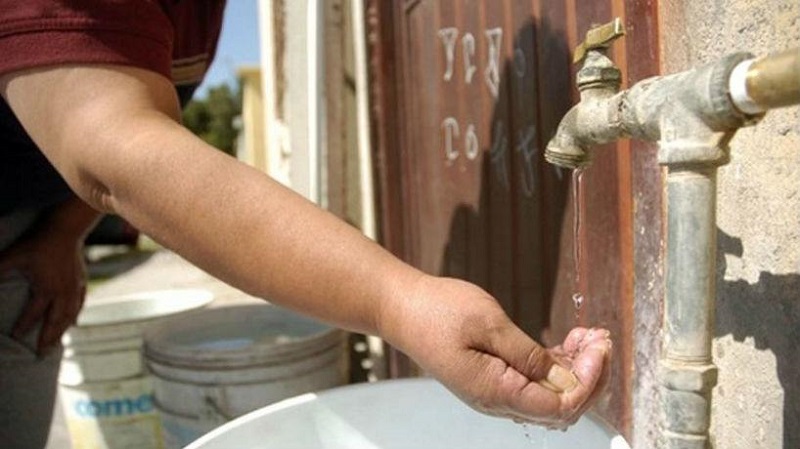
[50, 257]
[113, 133]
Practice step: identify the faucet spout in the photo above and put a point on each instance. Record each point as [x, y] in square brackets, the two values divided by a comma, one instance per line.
[564, 149]
[592, 121]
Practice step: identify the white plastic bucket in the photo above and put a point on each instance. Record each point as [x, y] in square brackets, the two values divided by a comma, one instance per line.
[395, 414]
[212, 366]
[106, 394]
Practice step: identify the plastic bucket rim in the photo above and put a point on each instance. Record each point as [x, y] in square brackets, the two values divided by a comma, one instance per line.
[159, 349]
[201, 298]
[617, 440]
[239, 358]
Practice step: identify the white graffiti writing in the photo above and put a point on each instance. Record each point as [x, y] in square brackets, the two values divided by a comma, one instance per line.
[494, 45]
[520, 63]
[468, 41]
[494, 38]
[527, 147]
[451, 132]
[471, 145]
[498, 154]
[449, 37]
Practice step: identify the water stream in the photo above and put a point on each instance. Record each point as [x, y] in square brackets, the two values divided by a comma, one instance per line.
[577, 238]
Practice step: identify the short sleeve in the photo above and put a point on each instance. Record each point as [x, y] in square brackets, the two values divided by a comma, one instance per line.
[37, 33]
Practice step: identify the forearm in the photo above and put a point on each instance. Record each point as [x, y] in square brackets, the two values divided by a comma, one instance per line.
[247, 229]
[224, 216]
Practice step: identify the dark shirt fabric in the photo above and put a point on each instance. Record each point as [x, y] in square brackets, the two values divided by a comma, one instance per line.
[175, 38]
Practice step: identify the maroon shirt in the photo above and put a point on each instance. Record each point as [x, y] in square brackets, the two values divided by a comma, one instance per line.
[175, 38]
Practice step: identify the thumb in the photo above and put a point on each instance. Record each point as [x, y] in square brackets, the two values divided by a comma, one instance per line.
[520, 351]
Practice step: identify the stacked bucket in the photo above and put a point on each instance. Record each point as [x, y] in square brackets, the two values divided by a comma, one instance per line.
[147, 371]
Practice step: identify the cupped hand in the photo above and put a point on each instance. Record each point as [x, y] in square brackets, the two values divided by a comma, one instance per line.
[54, 267]
[459, 334]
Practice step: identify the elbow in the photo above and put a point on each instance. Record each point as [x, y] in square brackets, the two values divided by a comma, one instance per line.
[104, 168]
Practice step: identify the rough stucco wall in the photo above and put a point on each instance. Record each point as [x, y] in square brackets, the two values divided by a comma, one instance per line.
[757, 401]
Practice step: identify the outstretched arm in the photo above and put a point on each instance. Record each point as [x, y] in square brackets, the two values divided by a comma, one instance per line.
[113, 133]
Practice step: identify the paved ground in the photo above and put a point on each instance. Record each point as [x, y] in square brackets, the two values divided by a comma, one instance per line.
[130, 272]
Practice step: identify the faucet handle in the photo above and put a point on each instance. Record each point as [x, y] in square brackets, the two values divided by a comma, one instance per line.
[599, 37]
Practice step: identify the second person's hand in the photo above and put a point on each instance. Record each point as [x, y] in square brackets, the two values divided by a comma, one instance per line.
[50, 257]
[55, 271]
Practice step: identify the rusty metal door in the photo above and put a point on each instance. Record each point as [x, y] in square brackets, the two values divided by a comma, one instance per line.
[465, 96]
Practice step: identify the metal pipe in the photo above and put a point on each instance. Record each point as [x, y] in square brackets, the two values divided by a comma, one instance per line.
[758, 85]
[693, 116]
[700, 98]
[686, 371]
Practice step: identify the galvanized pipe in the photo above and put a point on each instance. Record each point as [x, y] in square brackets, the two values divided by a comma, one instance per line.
[692, 115]
[686, 371]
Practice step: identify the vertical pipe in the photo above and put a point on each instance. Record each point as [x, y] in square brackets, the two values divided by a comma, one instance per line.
[687, 373]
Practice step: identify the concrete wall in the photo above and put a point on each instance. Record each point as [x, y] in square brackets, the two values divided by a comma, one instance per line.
[757, 401]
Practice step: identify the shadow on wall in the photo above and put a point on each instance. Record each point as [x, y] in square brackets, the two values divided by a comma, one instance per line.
[768, 312]
[509, 242]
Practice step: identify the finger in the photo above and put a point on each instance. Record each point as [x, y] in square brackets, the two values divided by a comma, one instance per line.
[60, 323]
[599, 388]
[588, 367]
[536, 403]
[602, 382]
[52, 339]
[33, 313]
[54, 321]
[77, 304]
[595, 334]
[522, 353]
[494, 387]
[574, 338]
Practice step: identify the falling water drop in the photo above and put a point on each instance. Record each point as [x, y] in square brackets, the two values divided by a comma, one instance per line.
[577, 299]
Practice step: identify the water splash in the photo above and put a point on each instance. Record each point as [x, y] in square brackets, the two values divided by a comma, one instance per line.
[536, 436]
[526, 428]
